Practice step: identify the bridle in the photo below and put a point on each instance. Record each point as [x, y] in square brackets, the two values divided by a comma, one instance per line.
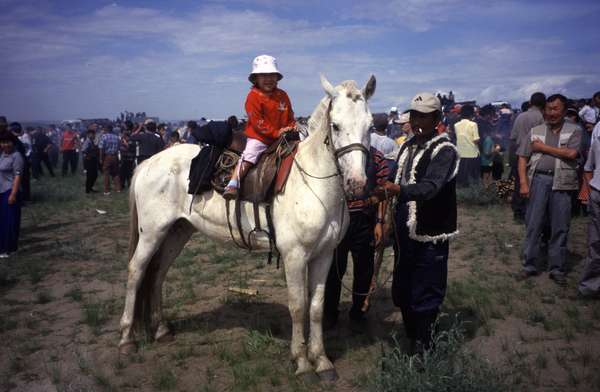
[337, 152]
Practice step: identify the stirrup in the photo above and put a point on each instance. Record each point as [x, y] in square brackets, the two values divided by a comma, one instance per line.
[231, 193]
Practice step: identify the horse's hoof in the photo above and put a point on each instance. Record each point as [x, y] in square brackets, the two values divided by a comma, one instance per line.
[165, 338]
[309, 378]
[127, 348]
[329, 375]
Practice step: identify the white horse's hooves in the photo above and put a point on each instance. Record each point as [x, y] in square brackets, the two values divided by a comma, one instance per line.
[329, 375]
[127, 348]
[309, 378]
[165, 338]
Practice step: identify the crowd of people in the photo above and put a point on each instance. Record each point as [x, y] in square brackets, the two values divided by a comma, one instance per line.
[418, 157]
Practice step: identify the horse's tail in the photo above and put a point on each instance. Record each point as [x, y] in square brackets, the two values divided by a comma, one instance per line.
[134, 235]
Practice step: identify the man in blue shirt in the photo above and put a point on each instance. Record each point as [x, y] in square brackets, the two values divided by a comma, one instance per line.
[109, 160]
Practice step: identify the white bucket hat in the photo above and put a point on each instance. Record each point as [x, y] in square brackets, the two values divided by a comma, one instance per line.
[264, 64]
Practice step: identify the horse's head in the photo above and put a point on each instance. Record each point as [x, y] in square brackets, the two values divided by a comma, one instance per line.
[350, 120]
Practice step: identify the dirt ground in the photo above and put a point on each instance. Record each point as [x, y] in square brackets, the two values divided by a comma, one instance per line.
[61, 297]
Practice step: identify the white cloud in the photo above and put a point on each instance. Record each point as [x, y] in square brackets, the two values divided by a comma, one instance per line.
[179, 65]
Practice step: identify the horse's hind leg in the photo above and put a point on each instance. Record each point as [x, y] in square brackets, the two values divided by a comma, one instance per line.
[317, 275]
[144, 251]
[178, 236]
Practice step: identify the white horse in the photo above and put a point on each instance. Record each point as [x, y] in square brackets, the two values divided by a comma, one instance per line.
[310, 218]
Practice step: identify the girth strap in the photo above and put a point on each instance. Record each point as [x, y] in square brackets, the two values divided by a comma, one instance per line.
[238, 220]
[245, 246]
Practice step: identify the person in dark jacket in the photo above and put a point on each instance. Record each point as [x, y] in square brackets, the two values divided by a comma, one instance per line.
[425, 220]
[41, 149]
[90, 160]
[17, 130]
[215, 136]
[149, 142]
[127, 154]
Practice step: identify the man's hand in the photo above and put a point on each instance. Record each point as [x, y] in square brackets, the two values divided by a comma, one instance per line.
[386, 190]
[524, 190]
[12, 198]
[537, 146]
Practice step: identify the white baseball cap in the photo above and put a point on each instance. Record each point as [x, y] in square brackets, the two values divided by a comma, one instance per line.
[264, 64]
[404, 118]
[393, 109]
[425, 103]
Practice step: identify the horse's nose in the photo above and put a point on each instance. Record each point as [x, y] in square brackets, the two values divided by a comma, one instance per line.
[355, 187]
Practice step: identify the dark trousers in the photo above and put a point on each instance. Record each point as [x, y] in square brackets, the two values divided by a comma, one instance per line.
[126, 172]
[420, 280]
[546, 206]
[26, 181]
[69, 158]
[91, 173]
[36, 164]
[469, 172]
[10, 223]
[517, 203]
[359, 241]
[589, 284]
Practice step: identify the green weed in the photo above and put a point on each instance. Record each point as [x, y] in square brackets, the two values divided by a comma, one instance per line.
[164, 380]
[445, 367]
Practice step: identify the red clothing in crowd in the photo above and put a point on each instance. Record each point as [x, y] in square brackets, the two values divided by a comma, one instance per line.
[69, 140]
[267, 114]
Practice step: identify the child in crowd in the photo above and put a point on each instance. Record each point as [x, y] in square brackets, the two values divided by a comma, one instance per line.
[270, 114]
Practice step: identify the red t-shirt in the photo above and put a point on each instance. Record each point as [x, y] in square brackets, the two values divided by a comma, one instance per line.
[267, 114]
[69, 139]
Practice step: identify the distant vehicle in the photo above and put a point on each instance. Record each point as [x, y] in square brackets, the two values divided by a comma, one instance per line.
[498, 104]
[74, 124]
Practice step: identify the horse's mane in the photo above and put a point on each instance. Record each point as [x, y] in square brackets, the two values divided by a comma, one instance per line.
[319, 119]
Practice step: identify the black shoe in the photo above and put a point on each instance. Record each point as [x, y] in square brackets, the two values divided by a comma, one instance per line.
[358, 321]
[525, 274]
[559, 279]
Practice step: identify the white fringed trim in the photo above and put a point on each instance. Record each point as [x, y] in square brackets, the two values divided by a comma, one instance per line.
[456, 161]
[412, 205]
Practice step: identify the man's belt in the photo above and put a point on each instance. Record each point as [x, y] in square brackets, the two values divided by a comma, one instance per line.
[545, 172]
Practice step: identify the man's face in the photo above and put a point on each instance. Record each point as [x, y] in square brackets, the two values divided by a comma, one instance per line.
[266, 82]
[597, 102]
[554, 112]
[423, 124]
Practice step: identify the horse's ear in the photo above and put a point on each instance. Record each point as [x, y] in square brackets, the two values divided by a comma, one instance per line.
[329, 89]
[369, 88]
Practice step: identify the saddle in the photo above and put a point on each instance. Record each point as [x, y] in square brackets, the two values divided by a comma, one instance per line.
[268, 177]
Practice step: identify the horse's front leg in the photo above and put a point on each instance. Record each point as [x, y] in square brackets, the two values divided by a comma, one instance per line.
[295, 274]
[318, 269]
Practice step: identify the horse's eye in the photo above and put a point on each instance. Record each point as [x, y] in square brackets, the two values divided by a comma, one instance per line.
[335, 127]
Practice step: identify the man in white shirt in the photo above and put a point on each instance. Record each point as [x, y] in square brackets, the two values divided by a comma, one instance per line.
[379, 140]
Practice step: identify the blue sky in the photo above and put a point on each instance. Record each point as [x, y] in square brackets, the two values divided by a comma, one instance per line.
[186, 59]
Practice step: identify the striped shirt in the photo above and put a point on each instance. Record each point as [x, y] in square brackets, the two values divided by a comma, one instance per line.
[378, 171]
[109, 144]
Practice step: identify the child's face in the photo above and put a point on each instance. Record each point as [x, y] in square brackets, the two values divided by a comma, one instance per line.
[266, 82]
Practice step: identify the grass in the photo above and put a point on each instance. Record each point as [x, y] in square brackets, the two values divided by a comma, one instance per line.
[96, 314]
[445, 367]
[251, 365]
[477, 196]
[164, 380]
[75, 294]
[44, 297]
